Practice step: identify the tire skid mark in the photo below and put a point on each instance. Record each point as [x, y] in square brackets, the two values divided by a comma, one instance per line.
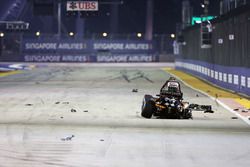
[129, 76]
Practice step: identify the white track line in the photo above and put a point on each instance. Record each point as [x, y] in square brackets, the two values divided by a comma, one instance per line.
[245, 119]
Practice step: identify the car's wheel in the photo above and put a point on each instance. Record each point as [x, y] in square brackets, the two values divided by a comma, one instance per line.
[148, 106]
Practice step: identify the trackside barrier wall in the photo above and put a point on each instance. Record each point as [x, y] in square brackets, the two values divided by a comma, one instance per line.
[233, 78]
[227, 63]
[53, 50]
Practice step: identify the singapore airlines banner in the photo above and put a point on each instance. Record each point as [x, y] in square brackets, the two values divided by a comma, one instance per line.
[88, 51]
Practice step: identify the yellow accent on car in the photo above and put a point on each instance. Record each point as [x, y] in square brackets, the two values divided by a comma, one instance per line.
[160, 106]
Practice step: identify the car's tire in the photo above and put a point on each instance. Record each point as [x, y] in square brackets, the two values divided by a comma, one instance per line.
[145, 100]
[148, 106]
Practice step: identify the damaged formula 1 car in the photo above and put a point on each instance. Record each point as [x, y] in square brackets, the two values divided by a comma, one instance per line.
[168, 104]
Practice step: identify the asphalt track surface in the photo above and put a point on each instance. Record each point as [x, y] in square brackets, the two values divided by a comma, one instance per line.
[42, 108]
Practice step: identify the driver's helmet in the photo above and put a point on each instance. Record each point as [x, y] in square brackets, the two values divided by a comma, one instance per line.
[173, 87]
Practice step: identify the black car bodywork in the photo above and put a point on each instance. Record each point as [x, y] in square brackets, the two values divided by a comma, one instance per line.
[169, 103]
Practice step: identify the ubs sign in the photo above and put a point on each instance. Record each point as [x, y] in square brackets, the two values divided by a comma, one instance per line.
[82, 5]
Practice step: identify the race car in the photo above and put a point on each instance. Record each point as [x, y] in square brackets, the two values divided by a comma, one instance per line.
[168, 104]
